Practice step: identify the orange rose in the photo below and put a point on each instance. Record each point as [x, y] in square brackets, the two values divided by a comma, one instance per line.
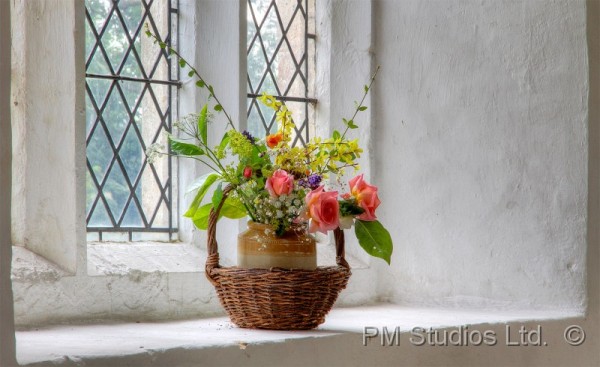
[323, 210]
[366, 197]
[273, 140]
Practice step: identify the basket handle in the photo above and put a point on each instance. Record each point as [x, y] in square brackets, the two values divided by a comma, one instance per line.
[212, 260]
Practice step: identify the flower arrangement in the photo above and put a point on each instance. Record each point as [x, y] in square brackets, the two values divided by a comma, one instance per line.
[273, 182]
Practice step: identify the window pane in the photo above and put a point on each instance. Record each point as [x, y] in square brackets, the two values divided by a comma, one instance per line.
[131, 85]
[280, 51]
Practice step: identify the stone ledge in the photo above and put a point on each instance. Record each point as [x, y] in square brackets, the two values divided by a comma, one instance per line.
[119, 258]
[28, 266]
[134, 282]
[122, 258]
[142, 344]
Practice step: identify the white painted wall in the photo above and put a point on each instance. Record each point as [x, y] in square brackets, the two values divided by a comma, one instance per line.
[481, 150]
[7, 336]
[210, 33]
[49, 130]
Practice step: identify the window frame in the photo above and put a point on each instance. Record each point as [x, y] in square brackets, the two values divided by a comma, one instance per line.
[303, 68]
[148, 229]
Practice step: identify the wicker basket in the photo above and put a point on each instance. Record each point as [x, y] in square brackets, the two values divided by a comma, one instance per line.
[280, 299]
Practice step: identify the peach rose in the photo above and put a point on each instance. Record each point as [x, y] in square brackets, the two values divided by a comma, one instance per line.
[323, 210]
[273, 139]
[366, 197]
[280, 183]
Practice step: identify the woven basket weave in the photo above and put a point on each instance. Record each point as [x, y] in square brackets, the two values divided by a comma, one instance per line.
[279, 299]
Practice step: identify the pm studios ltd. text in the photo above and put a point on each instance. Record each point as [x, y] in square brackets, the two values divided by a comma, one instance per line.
[463, 336]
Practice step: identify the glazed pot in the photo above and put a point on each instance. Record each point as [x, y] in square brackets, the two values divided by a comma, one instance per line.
[260, 248]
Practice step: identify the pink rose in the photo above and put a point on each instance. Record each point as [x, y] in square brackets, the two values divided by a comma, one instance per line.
[366, 197]
[280, 183]
[323, 210]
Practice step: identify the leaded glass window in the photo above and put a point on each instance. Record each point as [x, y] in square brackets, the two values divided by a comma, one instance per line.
[281, 62]
[131, 90]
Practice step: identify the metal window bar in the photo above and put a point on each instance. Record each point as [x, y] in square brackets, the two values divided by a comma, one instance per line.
[99, 195]
[273, 36]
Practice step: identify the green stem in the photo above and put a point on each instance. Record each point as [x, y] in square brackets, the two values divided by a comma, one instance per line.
[356, 111]
[244, 200]
[211, 92]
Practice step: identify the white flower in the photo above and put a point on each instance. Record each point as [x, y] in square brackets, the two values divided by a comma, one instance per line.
[346, 222]
[154, 151]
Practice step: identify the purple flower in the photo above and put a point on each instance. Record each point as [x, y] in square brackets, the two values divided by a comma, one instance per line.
[312, 182]
[248, 136]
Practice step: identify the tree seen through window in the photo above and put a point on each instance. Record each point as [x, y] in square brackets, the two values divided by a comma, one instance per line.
[131, 89]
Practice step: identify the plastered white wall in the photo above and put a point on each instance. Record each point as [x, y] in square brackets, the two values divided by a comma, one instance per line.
[48, 211]
[210, 33]
[343, 65]
[481, 150]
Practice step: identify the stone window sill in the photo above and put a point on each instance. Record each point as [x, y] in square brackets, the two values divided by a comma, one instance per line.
[123, 258]
[193, 341]
[106, 258]
[135, 281]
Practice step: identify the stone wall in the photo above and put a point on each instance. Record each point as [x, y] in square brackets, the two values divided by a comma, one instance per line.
[481, 131]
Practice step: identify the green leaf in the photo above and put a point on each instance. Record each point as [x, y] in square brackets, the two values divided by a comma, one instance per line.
[366, 88]
[233, 209]
[200, 83]
[374, 239]
[191, 73]
[224, 141]
[336, 135]
[362, 108]
[202, 124]
[210, 89]
[200, 218]
[349, 123]
[181, 63]
[218, 107]
[184, 148]
[203, 184]
[217, 195]
[199, 182]
[162, 45]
